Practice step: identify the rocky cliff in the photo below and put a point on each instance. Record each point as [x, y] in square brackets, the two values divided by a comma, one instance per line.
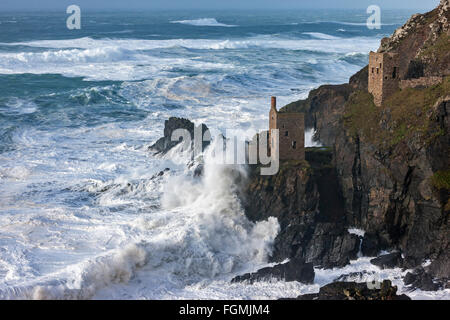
[308, 203]
[165, 143]
[388, 172]
[423, 43]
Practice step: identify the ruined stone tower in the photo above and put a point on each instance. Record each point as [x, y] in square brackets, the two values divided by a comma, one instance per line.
[384, 75]
[291, 126]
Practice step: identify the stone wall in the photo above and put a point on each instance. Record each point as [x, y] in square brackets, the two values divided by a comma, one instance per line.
[423, 82]
[376, 77]
[384, 75]
[291, 128]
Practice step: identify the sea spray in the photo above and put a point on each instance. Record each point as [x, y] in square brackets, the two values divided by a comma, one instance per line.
[200, 234]
[220, 219]
[309, 139]
[94, 275]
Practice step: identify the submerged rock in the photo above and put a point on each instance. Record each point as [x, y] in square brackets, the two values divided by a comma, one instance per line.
[294, 270]
[388, 261]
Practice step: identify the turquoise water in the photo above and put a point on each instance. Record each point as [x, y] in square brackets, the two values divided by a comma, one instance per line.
[81, 213]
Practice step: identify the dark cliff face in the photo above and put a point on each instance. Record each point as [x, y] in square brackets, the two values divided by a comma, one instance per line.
[306, 199]
[389, 189]
[165, 144]
[390, 165]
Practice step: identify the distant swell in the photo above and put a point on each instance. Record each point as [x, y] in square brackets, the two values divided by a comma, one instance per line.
[204, 22]
[322, 36]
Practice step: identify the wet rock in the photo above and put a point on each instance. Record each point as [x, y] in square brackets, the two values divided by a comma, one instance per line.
[420, 279]
[355, 276]
[294, 270]
[161, 173]
[370, 246]
[388, 261]
[355, 291]
[307, 201]
[330, 247]
[198, 172]
[440, 267]
[164, 144]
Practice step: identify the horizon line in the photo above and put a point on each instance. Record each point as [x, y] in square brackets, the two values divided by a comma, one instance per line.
[198, 9]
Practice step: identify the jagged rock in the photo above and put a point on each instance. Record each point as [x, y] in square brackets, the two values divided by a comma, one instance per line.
[354, 276]
[360, 80]
[307, 201]
[388, 185]
[388, 261]
[294, 270]
[370, 246]
[161, 173]
[420, 33]
[355, 291]
[198, 172]
[164, 144]
[329, 249]
[420, 279]
[440, 266]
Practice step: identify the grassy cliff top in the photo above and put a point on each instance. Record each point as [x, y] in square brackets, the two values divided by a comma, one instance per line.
[406, 116]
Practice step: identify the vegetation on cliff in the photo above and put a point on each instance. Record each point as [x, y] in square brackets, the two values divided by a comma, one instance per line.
[437, 50]
[441, 180]
[389, 167]
[407, 116]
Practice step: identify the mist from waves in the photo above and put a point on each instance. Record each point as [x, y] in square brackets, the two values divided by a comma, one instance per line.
[200, 233]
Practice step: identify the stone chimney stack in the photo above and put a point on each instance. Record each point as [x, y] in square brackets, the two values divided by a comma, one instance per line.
[274, 103]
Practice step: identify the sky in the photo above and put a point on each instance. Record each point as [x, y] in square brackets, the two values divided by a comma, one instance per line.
[8, 5]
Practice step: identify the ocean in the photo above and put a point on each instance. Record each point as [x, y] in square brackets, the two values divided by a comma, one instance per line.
[83, 211]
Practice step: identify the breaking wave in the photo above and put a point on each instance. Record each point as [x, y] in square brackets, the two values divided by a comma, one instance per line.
[322, 36]
[201, 233]
[134, 59]
[204, 22]
[322, 43]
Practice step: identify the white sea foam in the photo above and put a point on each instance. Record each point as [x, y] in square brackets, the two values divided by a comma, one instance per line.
[309, 139]
[133, 59]
[357, 232]
[204, 22]
[111, 63]
[361, 270]
[325, 43]
[16, 173]
[199, 233]
[347, 23]
[321, 36]
[18, 106]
